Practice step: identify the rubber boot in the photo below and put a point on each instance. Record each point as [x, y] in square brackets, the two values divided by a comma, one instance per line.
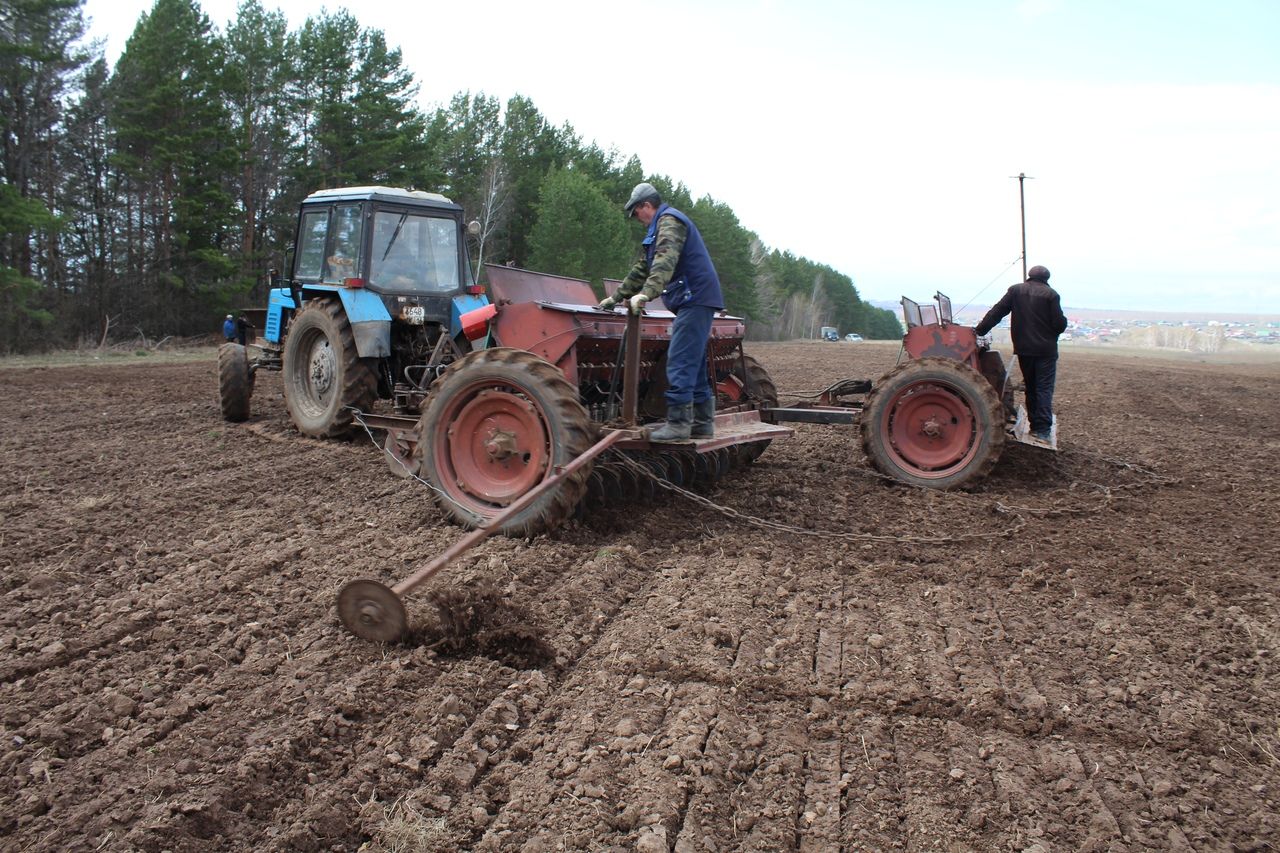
[704, 419]
[679, 423]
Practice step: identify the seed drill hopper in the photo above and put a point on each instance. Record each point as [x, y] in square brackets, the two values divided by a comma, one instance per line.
[551, 412]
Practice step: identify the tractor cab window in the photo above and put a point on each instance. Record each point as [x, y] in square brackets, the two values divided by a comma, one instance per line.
[414, 252]
[311, 240]
[344, 259]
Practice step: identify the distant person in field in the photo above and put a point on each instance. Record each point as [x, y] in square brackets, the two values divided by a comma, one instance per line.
[1037, 322]
[676, 264]
[229, 329]
[242, 330]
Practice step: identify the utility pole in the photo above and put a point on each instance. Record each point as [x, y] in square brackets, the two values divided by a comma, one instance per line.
[1022, 206]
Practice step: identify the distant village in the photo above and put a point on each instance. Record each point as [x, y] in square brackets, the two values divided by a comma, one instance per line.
[1190, 335]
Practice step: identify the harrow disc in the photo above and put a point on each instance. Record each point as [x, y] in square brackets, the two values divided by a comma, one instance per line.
[614, 488]
[751, 451]
[666, 467]
[646, 488]
[371, 611]
[705, 469]
[399, 456]
[723, 462]
[604, 486]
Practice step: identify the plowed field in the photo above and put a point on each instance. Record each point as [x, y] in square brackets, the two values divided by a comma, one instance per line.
[1088, 663]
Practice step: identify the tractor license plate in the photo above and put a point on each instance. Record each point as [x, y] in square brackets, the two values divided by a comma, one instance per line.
[415, 314]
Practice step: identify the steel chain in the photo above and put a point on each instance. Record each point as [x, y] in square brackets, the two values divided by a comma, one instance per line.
[908, 539]
[382, 449]
[1017, 513]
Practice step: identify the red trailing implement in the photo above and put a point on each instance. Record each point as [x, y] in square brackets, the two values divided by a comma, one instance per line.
[551, 412]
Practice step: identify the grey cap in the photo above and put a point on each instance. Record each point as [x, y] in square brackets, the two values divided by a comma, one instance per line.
[642, 193]
[1038, 273]
[228, 316]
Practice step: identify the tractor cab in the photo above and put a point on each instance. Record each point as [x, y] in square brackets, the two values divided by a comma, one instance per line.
[392, 241]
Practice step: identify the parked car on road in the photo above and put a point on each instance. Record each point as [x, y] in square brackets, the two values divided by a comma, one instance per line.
[852, 338]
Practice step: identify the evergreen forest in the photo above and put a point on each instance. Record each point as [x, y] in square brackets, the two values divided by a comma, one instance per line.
[146, 200]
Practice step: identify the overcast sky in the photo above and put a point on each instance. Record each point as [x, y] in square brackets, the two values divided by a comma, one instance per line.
[881, 137]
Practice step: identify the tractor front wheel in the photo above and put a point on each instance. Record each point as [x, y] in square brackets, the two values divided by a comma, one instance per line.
[498, 423]
[235, 382]
[324, 376]
[933, 422]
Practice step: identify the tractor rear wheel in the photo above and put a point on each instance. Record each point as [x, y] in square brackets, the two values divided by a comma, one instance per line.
[747, 381]
[235, 382]
[324, 376]
[933, 422]
[497, 423]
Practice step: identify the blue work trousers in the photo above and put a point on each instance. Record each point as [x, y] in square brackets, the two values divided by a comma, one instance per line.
[687, 380]
[1039, 374]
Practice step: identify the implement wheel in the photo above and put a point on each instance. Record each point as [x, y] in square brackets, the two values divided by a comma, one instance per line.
[933, 422]
[496, 425]
[747, 382]
[235, 382]
[324, 377]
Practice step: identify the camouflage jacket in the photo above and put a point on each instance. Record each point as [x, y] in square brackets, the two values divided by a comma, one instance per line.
[652, 279]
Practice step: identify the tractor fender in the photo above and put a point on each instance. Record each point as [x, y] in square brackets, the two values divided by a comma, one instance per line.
[370, 321]
[278, 301]
[474, 327]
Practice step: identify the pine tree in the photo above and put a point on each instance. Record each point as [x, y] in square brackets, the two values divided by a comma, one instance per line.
[579, 232]
[729, 245]
[90, 207]
[39, 61]
[323, 87]
[176, 156]
[259, 69]
[530, 148]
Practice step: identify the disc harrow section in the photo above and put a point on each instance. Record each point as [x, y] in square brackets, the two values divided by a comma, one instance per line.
[626, 477]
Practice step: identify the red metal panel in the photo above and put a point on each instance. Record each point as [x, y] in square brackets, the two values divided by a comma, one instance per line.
[517, 285]
[546, 333]
[958, 343]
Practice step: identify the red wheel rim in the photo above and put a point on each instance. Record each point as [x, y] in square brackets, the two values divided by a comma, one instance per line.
[495, 448]
[931, 429]
[731, 389]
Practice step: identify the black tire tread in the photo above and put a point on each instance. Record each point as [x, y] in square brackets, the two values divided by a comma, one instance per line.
[961, 374]
[555, 507]
[235, 382]
[359, 382]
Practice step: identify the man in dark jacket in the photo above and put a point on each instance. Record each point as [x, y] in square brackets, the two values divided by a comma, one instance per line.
[1037, 322]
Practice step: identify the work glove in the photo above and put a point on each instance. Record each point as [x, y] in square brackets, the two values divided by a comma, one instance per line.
[637, 303]
[607, 303]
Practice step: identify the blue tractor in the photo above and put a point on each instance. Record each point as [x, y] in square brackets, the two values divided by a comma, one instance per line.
[370, 307]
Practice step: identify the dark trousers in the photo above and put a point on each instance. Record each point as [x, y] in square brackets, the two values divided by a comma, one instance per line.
[1039, 374]
[687, 380]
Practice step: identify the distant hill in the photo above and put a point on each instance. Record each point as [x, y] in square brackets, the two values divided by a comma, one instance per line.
[1093, 315]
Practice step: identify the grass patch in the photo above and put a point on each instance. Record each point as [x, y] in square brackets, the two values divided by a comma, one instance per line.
[400, 828]
[110, 356]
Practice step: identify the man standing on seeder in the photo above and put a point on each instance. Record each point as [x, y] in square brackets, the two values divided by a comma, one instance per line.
[675, 263]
